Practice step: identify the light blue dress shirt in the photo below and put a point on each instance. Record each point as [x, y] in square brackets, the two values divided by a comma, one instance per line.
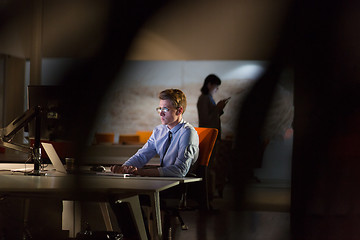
[181, 154]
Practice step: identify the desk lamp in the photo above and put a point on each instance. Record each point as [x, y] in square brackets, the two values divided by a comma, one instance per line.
[7, 134]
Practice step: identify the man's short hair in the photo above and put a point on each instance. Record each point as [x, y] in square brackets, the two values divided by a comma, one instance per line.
[176, 97]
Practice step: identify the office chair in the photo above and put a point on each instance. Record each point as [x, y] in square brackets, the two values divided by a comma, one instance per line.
[129, 139]
[143, 136]
[197, 191]
[207, 139]
[104, 138]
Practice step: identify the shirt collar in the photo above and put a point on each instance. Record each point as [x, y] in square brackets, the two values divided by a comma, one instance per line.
[177, 127]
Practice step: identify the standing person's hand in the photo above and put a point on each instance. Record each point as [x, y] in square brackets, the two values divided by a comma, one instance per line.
[222, 103]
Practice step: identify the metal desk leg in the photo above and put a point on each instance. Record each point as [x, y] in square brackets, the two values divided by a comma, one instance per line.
[155, 205]
[106, 215]
[71, 217]
[138, 217]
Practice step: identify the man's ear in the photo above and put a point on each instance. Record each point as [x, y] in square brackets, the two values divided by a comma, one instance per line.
[180, 110]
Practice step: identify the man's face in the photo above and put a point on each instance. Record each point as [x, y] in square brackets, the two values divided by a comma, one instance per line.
[171, 117]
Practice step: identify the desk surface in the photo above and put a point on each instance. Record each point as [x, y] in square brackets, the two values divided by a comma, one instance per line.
[18, 182]
[181, 180]
[92, 187]
[98, 184]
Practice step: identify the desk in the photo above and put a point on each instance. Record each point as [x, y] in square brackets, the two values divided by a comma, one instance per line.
[180, 180]
[154, 196]
[89, 188]
[134, 185]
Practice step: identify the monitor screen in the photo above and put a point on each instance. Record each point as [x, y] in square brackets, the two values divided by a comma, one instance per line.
[55, 116]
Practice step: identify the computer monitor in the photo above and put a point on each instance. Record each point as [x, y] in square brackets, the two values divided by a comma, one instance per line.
[56, 117]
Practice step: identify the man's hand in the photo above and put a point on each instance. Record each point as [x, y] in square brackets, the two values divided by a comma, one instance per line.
[123, 169]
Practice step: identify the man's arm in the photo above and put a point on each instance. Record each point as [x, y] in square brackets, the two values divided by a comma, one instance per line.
[151, 172]
[139, 159]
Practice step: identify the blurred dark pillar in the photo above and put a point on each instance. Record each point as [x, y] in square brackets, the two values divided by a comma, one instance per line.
[326, 158]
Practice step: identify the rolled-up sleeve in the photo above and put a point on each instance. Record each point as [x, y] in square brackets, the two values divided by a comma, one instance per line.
[143, 155]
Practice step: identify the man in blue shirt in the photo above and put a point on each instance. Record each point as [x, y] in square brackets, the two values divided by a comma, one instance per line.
[176, 158]
[175, 141]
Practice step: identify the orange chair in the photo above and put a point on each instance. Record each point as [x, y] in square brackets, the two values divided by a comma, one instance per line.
[197, 191]
[129, 139]
[104, 138]
[207, 139]
[143, 136]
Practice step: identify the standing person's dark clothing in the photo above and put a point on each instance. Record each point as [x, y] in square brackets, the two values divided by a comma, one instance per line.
[209, 113]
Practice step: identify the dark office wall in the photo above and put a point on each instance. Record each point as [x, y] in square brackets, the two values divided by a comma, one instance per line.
[12, 90]
[14, 81]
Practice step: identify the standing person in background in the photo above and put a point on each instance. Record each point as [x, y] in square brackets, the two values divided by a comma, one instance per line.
[209, 114]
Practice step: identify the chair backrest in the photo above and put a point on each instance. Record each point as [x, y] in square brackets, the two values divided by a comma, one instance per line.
[207, 139]
[104, 138]
[129, 139]
[143, 136]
